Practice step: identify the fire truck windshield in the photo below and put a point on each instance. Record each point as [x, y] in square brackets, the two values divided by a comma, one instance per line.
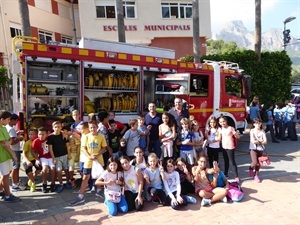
[233, 86]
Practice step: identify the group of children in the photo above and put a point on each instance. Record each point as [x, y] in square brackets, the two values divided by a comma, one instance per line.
[279, 119]
[136, 174]
[132, 173]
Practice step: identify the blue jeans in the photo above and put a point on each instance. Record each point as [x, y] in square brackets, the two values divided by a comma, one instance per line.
[113, 207]
[154, 146]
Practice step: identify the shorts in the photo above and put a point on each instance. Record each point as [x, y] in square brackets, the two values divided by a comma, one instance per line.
[87, 171]
[28, 169]
[16, 165]
[207, 189]
[116, 155]
[47, 162]
[62, 163]
[6, 167]
[258, 153]
[72, 161]
[81, 164]
[188, 156]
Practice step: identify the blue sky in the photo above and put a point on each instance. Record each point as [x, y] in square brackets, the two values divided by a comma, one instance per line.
[274, 12]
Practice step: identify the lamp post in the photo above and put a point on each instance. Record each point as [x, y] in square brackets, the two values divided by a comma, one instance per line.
[287, 20]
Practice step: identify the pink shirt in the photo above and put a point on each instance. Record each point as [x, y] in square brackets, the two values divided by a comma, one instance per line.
[227, 137]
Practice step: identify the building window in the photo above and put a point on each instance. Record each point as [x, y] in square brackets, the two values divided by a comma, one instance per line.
[15, 32]
[105, 11]
[110, 11]
[66, 40]
[45, 36]
[129, 9]
[176, 10]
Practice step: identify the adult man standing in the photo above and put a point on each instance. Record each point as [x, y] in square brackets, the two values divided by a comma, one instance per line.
[178, 112]
[153, 119]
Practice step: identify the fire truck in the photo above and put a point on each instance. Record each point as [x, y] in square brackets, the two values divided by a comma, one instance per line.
[124, 78]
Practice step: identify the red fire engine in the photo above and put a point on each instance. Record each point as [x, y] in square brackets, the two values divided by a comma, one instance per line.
[57, 79]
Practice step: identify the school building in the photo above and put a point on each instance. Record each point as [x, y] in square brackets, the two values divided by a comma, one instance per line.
[157, 23]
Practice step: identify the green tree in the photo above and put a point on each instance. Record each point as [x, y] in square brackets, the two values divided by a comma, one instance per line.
[3, 76]
[271, 80]
[296, 75]
[215, 47]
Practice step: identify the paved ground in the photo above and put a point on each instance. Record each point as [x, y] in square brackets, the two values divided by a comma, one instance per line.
[276, 200]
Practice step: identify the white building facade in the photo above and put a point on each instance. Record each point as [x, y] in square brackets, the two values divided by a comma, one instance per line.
[157, 23]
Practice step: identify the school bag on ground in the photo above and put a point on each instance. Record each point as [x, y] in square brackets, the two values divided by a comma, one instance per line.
[235, 192]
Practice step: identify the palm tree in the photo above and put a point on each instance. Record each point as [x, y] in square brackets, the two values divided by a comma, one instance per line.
[120, 19]
[196, 31]
[257, 45]
[25, 21]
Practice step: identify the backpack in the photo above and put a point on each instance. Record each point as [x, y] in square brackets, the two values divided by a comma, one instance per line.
[235, 192]
[264, 116]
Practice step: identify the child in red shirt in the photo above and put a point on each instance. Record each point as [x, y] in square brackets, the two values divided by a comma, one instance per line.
[42, 156]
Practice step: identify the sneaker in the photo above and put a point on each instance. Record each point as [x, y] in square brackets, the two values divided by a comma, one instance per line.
[44, 188]
[12, 198]
[32, 187]
[60, 187]
[21, 183]
[16, 188]
[52, 187]
[224, 199]
[77, 201]
[237, 179]
[69, 186]
[29, 183]
[251, 172]
[100, 193]
[256, 179]
[190, 199]
[205, 201]
[22, 187]
[153, 192]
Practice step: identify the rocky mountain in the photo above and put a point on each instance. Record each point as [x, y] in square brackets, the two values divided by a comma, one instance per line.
[272, 40]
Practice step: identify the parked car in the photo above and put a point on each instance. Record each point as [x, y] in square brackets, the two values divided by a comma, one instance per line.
[295, 92]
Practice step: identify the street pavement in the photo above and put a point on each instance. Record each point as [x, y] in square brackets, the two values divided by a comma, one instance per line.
[276, 200]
